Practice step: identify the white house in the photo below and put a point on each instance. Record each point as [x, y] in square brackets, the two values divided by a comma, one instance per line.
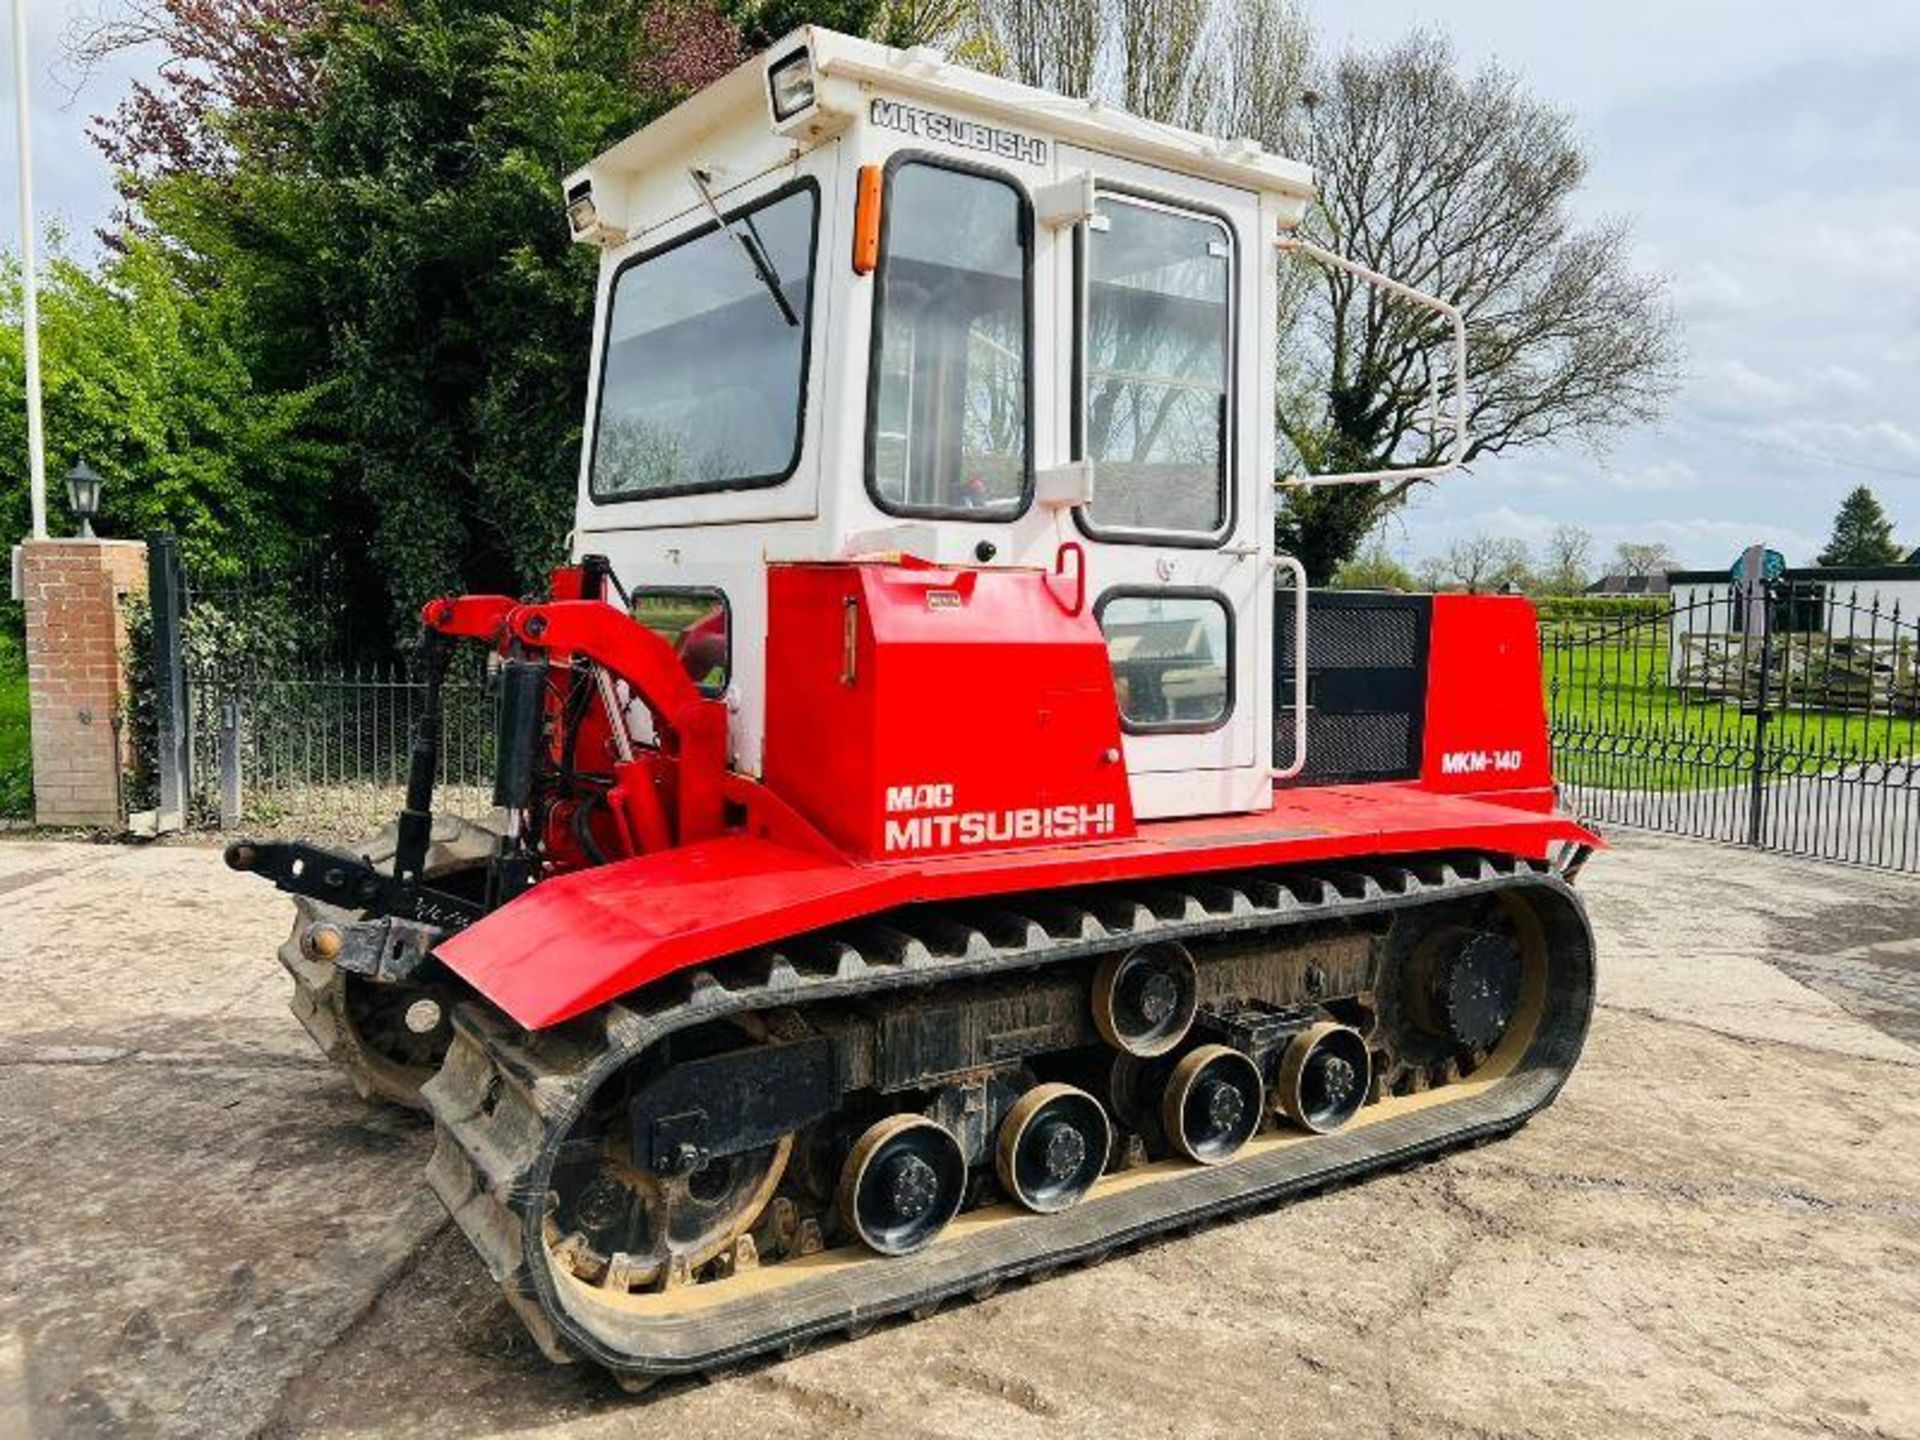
[1847, 630]
[1834, 601]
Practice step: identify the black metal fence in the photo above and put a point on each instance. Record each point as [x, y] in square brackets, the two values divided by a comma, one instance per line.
[1785, 717]
[324, 750]
[268, 722]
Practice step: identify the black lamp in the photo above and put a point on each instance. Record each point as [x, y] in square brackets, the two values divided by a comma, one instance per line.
[83, 495]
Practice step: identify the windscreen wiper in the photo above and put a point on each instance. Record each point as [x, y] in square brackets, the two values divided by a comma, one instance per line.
[750, 242]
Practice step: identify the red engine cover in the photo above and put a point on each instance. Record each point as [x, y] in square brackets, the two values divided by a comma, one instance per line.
[921, 711]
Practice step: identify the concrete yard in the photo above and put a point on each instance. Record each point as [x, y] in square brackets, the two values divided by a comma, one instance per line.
[1715, 1231]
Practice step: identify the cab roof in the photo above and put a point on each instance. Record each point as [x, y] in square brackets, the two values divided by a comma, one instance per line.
[850, 70]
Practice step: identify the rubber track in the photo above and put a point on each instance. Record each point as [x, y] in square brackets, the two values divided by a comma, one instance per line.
[506, 1097]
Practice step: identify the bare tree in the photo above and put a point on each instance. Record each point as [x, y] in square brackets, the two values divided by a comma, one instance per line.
[1460, 185]
[1053, 46]
[1264, 49]
[1631, 558]
[1487, 562]
[1169, 69]
[1181, 62]
[1569, 560]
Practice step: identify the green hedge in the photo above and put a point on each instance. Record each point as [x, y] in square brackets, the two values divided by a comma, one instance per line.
[16, 755]
[1601, 607]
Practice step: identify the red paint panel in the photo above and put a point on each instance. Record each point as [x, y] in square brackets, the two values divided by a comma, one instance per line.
[579, 940]
[1486, 730]
[914, 710]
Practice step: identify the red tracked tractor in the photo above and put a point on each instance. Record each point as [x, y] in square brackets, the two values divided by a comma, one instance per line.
[931, 848]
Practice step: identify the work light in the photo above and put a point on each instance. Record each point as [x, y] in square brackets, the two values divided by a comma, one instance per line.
[582, 213]
[791, 84]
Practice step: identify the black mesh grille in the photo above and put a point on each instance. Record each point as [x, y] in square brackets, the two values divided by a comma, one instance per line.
[1357, 637]
[1366, 685]
[1355, 747]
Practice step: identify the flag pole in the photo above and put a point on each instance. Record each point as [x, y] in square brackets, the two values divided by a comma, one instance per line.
[29, 278]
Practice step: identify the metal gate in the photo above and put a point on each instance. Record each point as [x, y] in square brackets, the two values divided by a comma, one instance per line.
[267, 718]
[1785, 715]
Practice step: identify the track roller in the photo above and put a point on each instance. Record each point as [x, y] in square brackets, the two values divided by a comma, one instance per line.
[1324, 1075]
[903, 1181]
[1144, 999]
[1053, 1146]
[1212, 1103]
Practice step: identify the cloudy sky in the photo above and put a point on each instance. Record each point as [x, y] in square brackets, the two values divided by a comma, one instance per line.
[1768, 155]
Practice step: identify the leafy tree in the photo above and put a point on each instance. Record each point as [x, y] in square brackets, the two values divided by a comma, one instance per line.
[147, 380]
[761, 22]
[1862, 533]
[225, 66]
[392, 223]
[895, 22]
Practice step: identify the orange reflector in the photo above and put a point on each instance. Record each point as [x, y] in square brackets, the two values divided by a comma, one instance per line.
[866, 220]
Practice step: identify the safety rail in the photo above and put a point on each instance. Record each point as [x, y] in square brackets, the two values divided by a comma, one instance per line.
[1293, 244]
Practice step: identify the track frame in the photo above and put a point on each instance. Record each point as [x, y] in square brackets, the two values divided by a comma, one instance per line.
[506, 1098]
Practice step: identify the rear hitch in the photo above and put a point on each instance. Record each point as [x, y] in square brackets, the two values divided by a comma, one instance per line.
[344, 880]
[385, 951]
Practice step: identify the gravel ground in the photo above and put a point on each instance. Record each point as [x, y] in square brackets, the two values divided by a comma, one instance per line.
[1715, 1231]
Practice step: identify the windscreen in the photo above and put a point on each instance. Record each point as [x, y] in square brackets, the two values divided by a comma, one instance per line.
[703, 381]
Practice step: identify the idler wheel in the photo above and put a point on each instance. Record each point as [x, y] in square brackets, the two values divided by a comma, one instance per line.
[1144, 1000]
[1053, 1146]
[1324, 1076]
[653, 1224]
[903, 1181]
[1212, 1104]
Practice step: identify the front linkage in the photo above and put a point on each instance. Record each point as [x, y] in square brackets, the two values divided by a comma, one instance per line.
[574, 788]
[352, 882]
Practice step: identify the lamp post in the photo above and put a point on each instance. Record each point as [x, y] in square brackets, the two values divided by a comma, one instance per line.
[29, 281]
[83, 495]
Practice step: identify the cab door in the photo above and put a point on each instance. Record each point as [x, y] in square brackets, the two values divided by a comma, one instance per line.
[1161, 283]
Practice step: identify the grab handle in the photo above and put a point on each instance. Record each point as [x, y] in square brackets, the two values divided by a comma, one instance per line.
[1070, 547]
[1299, 573]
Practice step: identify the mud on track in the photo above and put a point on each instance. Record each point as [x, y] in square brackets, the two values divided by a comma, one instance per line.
[1716, 1230]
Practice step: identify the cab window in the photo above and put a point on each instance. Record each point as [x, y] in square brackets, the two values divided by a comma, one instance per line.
[1171, 653]
[703, 379]
[697, 624]
[1156, 350]
[950, 389]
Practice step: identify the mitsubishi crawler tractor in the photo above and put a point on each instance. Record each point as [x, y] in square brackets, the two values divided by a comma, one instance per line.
[938, 840]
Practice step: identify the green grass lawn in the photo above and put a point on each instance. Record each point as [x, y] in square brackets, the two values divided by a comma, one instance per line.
[16, 769]
[1619, 724]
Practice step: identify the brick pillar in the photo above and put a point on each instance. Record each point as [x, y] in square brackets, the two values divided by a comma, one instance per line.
[76, 638]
